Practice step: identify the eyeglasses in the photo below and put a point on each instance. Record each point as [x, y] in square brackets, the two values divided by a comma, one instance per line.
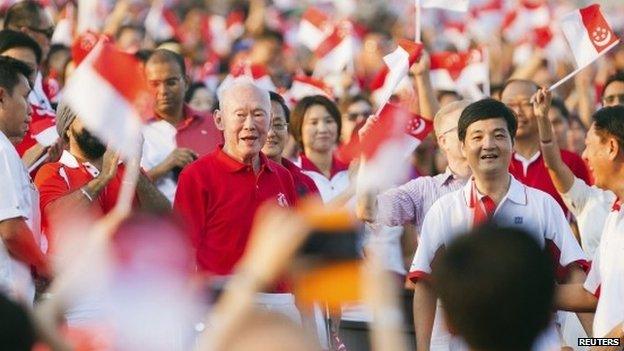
[611, 99]
[278, 126]
[48, 32]
[352, 116]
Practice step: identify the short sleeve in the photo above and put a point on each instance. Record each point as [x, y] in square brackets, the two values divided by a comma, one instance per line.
[578, 195]
[560, 241]
[593, 281]
[430, 244]
[10, 191]
[190, 202]
[51, 183]
[578, 167]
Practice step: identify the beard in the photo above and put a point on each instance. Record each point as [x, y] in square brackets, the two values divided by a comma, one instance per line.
[91, 146]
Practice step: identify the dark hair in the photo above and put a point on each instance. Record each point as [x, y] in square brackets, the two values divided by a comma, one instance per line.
[275, 97]
[143, 55]
[10, 39]
[616, 77]
[132, 27]
[610, 120]
[16, 328]
[269, 34]
[23, 14]
[296, 118]
[10, 69]
[486, 109]
[443, 93]
[191, 90]
[511, 81]
[164, 55]
[560, 105]
[497, 288]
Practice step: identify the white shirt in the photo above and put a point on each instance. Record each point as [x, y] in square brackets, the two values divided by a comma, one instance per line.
[606, 277]
[19, 198]
[590, 205]
[159, 141]
[328, 188]
[530, 209]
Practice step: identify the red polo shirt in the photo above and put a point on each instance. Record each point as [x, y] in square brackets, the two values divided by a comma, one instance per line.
[304, 185]
[536, 175]
[57, 179]
[218, 197]
[198, 132]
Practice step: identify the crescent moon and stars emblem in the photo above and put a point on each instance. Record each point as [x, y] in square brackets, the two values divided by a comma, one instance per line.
[601, 36]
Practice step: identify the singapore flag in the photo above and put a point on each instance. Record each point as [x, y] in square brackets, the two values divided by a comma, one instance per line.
[588, 34]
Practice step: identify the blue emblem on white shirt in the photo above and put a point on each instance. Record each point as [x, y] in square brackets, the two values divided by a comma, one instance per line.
[517, 220]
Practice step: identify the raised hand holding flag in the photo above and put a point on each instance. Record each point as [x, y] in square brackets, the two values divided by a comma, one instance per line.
[589, 36]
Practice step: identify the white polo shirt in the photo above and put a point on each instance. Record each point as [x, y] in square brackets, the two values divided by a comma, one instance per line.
[19, 198]
[524, 207]
[606, 277]
[328, 188]
[590, 205]
[159, 141]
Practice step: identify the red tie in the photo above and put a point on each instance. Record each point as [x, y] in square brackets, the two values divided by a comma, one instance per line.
[483, 209]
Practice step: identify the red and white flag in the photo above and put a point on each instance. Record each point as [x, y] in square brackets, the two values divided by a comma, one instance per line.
[452, 5]
[109, 92]
[588, 33]
[92, 14]
[303, 86]
[161, 23]
[257, 73]
[44, 131]
[459, 71]
[397, 65]
[522, 20]
[485, 19]
[387, 146]
[314, 27]
[336, 51]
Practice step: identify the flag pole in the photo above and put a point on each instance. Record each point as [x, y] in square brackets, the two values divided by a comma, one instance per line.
[486, 58]
[417, 22]
[566, 78]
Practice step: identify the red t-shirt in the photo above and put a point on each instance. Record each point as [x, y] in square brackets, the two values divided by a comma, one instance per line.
[537, 175]
[29, 141]
[304, 185]
[57, 179]
[218, 196]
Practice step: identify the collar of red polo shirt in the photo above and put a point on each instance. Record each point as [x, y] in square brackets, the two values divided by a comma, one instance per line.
[617, 204]
[482, 205]
[232, 165]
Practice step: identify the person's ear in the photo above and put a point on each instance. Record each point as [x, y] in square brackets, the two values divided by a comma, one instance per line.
[462, 146]
[3, 94]
[218, 119]
[442, 141]
[613, 148]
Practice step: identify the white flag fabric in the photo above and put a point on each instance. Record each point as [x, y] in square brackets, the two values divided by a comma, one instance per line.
[588, 34]
[452, 5]
[314, 28]
[397, 65]
[110, 95]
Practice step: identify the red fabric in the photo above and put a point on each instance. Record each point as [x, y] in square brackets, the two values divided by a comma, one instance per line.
[198, 132]
[304, 185]
[418, 275]
[562, 271]
[52, 186]
[483, 209]
[337, 166]
[218, 197]
[537, 175]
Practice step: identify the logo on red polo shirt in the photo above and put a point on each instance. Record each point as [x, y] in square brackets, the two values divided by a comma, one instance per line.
[281, 200]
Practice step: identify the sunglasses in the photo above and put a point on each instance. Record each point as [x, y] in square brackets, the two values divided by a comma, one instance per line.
[48, 32]
[354, 115]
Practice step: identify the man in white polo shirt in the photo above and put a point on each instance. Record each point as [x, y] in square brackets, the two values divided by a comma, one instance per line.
[605, 282]
[486, 130]
[19, 199]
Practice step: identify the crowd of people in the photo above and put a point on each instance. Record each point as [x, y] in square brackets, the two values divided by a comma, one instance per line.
[247, 221]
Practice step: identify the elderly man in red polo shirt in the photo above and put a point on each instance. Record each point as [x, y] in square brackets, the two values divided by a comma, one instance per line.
[177, 135]
[218, 194]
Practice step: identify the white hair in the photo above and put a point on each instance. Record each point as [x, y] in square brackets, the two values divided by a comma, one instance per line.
[242, 82]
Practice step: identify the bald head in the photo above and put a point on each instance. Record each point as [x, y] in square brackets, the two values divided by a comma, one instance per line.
[447, 117]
